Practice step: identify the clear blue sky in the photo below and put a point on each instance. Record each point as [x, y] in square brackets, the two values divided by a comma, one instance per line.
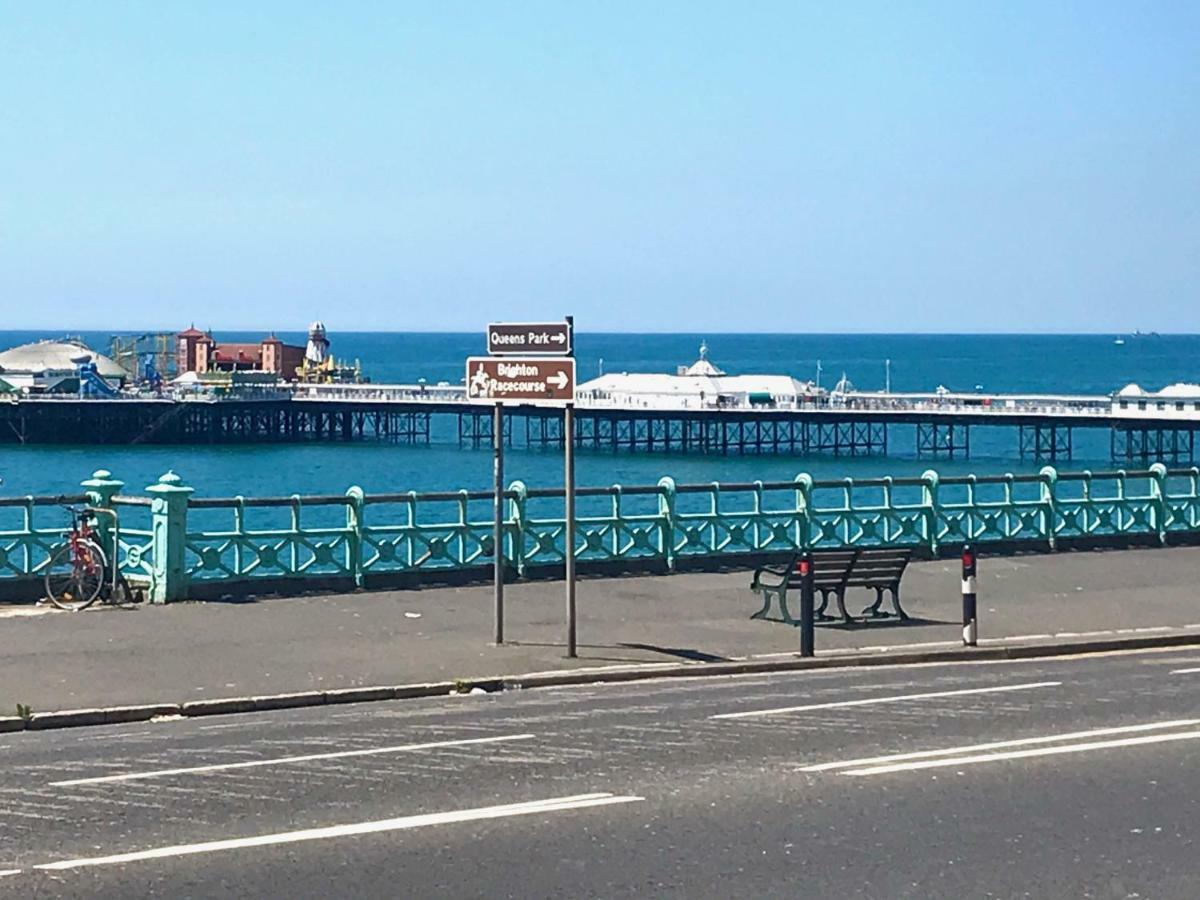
[647, 166]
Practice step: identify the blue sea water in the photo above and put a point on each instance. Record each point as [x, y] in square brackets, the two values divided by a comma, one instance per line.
[1091, 364]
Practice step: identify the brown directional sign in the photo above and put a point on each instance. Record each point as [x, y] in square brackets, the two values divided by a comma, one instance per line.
[520, 380]
[525, 338]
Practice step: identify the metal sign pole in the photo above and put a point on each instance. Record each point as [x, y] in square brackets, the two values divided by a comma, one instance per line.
[498, 522]
[569, 497]
[569, 539]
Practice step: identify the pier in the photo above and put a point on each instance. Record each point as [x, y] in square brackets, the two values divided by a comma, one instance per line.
[939, 426]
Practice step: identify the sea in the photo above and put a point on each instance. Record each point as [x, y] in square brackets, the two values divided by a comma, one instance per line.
[1084, 364]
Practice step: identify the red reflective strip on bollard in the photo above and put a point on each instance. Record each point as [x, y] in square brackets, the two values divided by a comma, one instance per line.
[802, 568]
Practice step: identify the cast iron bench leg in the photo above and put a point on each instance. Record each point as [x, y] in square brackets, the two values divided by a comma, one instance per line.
[841, 602]
[784, 612]
[900, 613]
[873, 611]
[766, 607]
[819, 613]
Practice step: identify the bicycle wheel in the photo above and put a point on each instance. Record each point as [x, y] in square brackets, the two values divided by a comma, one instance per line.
[75, 575]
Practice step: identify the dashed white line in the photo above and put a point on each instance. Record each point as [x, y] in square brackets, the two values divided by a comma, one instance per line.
[1026, 754]
[867, 701]
[579, 801]
[998, 745]
[286, 760]
[6, 872]
[1185, 671]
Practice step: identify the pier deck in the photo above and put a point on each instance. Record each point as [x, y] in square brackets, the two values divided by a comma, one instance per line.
[854, 425]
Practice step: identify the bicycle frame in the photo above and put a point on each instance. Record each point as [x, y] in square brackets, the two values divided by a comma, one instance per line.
[114, 562]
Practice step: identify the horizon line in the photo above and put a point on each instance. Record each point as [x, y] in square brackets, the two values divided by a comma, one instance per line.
[243, 329]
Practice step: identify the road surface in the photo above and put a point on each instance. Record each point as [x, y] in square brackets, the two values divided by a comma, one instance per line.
[1067, 777]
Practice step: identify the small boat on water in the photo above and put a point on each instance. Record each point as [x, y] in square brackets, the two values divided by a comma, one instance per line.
[1119, 342]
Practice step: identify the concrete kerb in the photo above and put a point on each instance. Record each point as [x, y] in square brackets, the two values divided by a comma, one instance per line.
[231, 705]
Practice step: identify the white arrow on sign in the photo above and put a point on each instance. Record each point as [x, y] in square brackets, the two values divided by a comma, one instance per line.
[558, 380]
[559, 338]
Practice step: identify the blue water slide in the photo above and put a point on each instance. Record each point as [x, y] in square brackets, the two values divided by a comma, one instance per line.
[90, 382]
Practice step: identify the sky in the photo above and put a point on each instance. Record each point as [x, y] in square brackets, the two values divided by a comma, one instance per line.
[666, 166]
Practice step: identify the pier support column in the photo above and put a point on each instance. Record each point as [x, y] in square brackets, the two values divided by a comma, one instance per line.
[943, 439]
[1051, 442]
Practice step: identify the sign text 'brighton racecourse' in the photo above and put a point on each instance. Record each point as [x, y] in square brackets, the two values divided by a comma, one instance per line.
[516, 379]
[540, 338]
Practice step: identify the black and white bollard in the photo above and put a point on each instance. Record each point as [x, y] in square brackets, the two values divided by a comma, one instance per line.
[970, 615]
[804, 568]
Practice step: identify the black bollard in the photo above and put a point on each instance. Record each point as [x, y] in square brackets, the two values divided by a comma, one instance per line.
[804, 568]
[970, 614]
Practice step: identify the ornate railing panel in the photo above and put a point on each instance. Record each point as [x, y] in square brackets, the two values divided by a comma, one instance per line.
[413, 532]
[135, 541]
[284, 545]
[31, 528]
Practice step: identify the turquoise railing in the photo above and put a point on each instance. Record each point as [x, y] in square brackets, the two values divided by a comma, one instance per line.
[30, 530]
[175, 541]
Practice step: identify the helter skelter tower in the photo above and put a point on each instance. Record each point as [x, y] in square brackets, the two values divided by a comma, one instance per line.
[317, 350]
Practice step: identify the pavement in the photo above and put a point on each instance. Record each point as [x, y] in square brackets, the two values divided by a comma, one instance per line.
[1066, 777]
[105, 656]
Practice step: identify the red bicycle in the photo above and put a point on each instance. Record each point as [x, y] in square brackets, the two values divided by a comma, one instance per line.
[79, 571]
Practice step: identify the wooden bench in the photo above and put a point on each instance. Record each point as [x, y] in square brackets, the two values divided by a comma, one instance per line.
[879, 569]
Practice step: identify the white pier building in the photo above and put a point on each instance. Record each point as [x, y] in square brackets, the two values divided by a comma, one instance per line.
[698, 386]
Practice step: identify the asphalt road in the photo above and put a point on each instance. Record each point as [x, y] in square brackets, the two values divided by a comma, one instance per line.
[851, 783]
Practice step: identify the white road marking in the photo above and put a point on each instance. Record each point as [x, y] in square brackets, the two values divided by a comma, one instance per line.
[579, 801]
[284, 760]
[1026, 754]
[998, 745]
[897, 699]
[1015, 638]
[1184, 671]
[6, 872]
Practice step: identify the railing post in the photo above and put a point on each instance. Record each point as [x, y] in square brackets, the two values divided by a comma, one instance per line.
[929, 499]
[168, 511]
[1158, 491]
[517, 513]
[666, 511]
[354, 525]
[1049, 478]
[101, 488]
[804, 486]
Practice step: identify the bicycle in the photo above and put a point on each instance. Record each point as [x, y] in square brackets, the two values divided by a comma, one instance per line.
[79, 572]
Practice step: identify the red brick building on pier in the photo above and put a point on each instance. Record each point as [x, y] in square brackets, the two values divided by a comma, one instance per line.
[199, 352]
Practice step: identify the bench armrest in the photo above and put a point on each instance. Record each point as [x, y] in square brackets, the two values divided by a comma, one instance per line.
[781, 574]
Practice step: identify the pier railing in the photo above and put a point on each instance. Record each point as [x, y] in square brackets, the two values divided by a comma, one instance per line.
[182, 545]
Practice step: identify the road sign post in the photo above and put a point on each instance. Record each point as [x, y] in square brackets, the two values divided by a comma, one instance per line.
[528, 363]
[569, 521]
[498, 519]
[569, 498]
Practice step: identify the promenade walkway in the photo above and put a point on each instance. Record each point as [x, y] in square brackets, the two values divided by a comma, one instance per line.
[190, 651]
